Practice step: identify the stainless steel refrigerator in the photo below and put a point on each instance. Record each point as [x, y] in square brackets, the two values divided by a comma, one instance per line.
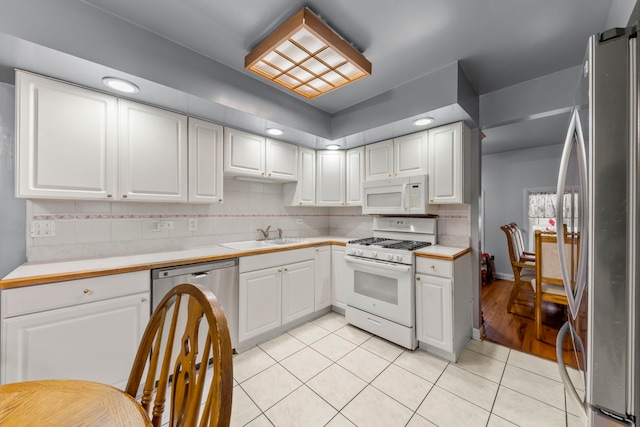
[600, 165]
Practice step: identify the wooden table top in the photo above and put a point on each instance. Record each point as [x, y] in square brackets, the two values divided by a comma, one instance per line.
[68, 403]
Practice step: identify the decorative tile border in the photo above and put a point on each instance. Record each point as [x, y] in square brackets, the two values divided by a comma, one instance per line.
[64, 217]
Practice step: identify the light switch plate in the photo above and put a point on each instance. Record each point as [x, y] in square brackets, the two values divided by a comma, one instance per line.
[193, 224]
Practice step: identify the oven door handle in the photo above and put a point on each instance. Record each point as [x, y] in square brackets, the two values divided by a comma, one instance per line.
[393, 267]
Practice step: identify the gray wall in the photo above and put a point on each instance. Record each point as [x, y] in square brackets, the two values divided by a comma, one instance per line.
[12, 210]
[505, 176]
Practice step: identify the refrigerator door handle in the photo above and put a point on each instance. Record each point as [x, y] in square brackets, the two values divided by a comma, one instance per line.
[574, 296]
[562, 367]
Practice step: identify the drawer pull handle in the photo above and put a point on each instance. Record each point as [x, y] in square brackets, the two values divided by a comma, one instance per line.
[418, 278]
[87, 291]
[432, 266]
[375, 322]
[144, 300]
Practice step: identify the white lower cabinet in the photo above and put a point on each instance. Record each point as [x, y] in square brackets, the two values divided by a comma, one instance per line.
[339, 293]
[323, 277]
[443, 305]
[86, 329]
[273, 293]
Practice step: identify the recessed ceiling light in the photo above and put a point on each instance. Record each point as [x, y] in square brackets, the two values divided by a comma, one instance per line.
[332, 147]
[423, 121]
[120, 85]
[274, 131]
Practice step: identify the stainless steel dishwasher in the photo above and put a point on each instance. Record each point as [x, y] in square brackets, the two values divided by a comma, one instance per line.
[219, 276]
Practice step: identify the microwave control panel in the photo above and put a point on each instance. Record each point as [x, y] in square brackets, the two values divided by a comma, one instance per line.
[414, 196]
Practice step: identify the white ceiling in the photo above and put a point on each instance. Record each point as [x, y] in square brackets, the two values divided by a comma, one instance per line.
[189, 55]
[499, 42]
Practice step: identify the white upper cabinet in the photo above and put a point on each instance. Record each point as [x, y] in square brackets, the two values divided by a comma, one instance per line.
[303, 192]
[205, 161]
[153, 153]
[281, 160]
[448, 164]
[330, 178]
[246, 154]
[355, 174]
[66, 140]
[410, 155]
[403, 156]
[243, 153]
[379, 160]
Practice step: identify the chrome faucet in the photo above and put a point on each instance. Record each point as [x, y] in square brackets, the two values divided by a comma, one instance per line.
[279, 233]
[265, 233]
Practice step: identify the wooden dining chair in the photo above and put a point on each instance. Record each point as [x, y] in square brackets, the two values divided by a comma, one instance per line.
[523, 269]
[523, 255]
[187, 331]
[548, 284]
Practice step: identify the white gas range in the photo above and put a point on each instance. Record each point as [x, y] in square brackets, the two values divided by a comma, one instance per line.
[380, 278]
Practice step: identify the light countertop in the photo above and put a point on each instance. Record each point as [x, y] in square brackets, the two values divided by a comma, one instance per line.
[33, 273]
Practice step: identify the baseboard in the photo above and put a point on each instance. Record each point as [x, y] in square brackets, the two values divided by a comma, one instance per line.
[503, 276]
[477, 333]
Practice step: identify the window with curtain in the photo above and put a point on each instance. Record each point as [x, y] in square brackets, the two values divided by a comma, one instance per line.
[542, 212]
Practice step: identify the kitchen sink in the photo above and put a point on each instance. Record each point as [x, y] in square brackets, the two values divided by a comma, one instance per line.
[261, 244]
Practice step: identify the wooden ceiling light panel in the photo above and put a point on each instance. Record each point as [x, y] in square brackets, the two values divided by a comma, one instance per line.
[307, 57]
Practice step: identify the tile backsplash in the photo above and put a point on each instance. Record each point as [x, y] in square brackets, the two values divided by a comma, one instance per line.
[94, 228]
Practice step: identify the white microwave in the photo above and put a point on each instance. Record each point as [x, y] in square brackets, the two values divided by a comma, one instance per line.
[397, 196]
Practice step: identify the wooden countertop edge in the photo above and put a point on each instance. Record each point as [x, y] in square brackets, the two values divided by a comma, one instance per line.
[60, 277]
[444, 257]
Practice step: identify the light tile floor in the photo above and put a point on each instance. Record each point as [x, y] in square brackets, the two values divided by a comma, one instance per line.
[329, 373]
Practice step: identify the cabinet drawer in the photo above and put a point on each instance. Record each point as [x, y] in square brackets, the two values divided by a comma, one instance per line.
[274, 259]
[33, 299]
[435, 267]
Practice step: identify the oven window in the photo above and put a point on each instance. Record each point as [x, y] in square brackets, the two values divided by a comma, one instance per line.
[384, 200]
[377, 287]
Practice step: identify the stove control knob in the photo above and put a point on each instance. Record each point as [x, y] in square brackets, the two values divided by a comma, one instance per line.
[374, 254]
[399, 258]
[389, 257]
[358, 251]
[352, 251]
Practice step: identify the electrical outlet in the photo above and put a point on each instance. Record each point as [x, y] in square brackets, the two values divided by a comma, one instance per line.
[299, 221]
[193, 224]
[163, 225]
[43, 228]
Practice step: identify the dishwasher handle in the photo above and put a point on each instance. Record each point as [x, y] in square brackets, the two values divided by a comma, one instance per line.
[201, 274]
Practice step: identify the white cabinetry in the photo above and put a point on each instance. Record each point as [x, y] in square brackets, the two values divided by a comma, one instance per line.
[339, 292]
[67, 140]
[449, 162]
[205, 161]
[330, 178]
[303, 192]
[152, 152]
[275, 289]
[402, 156]
[246, 154]
[323, 277]
[355, 173]
[443, 305]
[85, 329]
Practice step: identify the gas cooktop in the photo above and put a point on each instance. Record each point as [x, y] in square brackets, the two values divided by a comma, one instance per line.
[381, 242]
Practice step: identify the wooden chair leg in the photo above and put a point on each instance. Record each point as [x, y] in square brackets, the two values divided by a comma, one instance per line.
[512, 297]
[538, 317]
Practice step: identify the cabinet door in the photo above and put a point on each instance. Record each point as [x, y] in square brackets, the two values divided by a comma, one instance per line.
[243, 153]
[260, 302]
[281, 160]
[339, 293]
[153, 153]
[297, 290]
[205, 161]
[95, 342]
[410, 154]
[379, 160]
[355, 176]
[434, 311]
[303, 192]
[446, 169]
[330, 185]
[323, 277]
[66, 140]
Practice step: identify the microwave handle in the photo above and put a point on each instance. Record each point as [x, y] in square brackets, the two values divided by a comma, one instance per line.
[404, 196]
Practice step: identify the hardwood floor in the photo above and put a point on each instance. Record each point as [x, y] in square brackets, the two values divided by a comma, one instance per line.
[517, 330]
